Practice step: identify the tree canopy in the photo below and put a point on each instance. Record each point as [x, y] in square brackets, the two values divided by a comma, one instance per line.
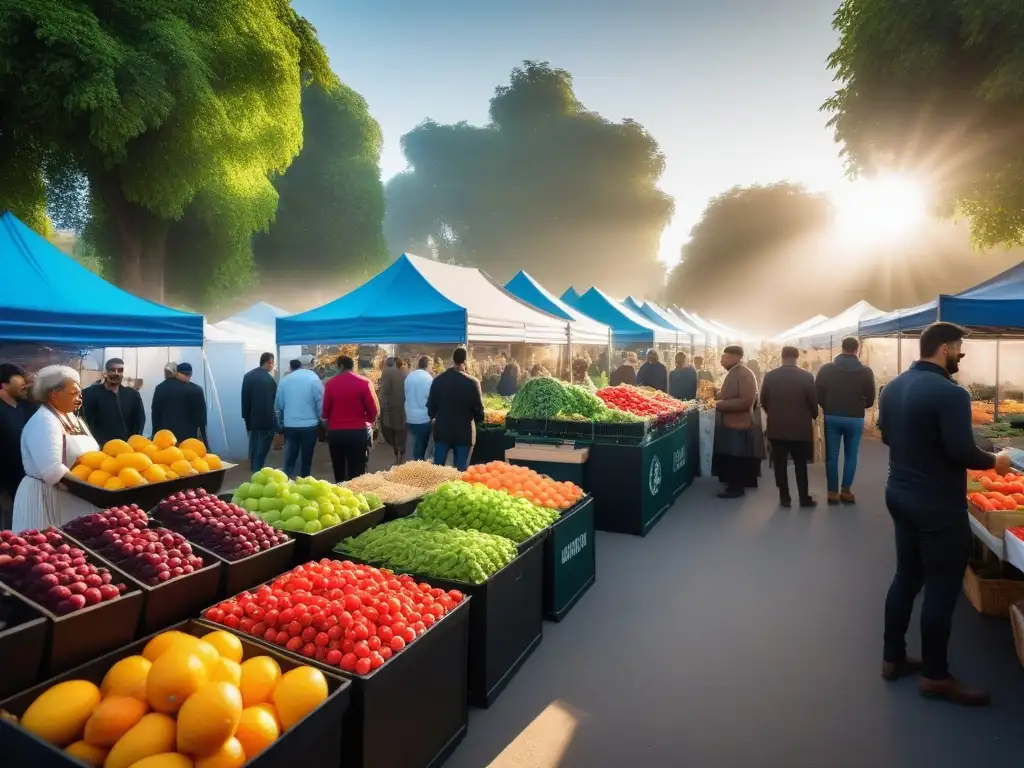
[330, 215]
[547, 186]
[937, 89]
[173, 115]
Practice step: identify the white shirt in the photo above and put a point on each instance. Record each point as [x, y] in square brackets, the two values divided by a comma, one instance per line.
[43, 447]
[417, 390]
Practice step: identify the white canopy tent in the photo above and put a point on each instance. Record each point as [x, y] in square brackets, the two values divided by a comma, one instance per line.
[257, 327]
[794, 333]
[832, 331]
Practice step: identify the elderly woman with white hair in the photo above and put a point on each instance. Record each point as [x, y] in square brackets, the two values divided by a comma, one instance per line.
[51, 442]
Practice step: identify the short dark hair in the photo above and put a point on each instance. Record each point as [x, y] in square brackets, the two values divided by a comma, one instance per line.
[680, 357]
[698, 360]
[790, 353]
[346, 363]
[850, 344]
[389, 362]
[424, 362]
[399, 362]
[266, 357]
[8, 371]
[295, 364]
[459, 356]
[113, 362]
[733, 349]
[937, 334]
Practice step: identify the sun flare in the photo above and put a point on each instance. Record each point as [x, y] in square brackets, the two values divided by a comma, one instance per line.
[880, 209]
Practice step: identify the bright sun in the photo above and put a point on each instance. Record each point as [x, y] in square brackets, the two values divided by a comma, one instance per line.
[879, 209]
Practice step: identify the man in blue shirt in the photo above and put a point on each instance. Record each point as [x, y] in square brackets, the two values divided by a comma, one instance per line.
[298, 405]
[925, 419]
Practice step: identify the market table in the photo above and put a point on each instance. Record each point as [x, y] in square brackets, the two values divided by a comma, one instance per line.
[1014, 550]
[982, 534]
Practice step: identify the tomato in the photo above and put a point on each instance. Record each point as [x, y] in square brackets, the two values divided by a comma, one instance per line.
[294, 643]
[374, 642]
[408, 634]
[334, 658]
[376, 660]
[363, 667]
[397, 643]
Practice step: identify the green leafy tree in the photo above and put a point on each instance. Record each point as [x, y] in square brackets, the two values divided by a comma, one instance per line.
[546, 186]
[168, 110]
[330, 216]
[937, 89]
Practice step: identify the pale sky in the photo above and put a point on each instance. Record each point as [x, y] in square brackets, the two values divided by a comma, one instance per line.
[730, 89]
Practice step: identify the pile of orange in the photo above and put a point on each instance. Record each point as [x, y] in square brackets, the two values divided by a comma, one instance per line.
[139, 461]
[524, 483]
[186, 702]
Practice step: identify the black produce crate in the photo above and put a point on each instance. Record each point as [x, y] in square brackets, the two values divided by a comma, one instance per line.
[172, 601]
[422, 690]
[313, 742]
[22, 642]
[632, 433]
[505, 620]
[316, 546]
[570, 564]
[526, 426]
[491, 444]
[77, 637]
[395, 511]
[149, 495]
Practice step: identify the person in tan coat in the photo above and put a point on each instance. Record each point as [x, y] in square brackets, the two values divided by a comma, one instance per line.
[735, 460]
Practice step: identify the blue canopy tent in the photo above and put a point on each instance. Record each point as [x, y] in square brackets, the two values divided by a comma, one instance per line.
[417, 300]
[49, 298]
[582, 329]
[629, 329]
[666, 319]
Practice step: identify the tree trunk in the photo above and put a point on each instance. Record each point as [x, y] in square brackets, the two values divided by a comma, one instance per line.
[139, 245]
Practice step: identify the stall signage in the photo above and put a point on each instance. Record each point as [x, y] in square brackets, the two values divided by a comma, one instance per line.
[678, 459]
[654, 476]
[573, 548]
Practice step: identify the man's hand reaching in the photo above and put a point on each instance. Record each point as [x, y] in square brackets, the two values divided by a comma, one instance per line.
[1003, 465]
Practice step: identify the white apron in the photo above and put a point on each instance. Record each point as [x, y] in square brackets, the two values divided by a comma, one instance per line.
[39, 505]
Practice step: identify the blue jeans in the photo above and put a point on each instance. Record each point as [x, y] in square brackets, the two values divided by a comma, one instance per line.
[461, 455]
[420, 437]
[299, 443]
[259, 447]
[849, 430]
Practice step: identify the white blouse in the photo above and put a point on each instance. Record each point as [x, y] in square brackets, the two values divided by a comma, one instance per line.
[45, 448]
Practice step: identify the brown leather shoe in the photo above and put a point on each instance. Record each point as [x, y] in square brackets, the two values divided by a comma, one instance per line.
[832, 498]
[894, 670]
[953, 691]
[846, 496]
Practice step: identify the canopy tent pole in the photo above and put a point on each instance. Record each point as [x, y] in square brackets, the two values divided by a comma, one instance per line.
[995, 405]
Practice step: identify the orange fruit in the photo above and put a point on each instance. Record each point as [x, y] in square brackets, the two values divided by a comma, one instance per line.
[87, 753]
[60, 713]
[257, 729]
[164, 439]
[269, 709]
[175, 675]
[131, 477]
[110, 465]
[93, 459]
[228, 671]
[230, 755]
[116, 447]
[155, 474]
[182, 468]
[165, 760]
[227, 644]
[171, 475]
[189, 456]
[161, 643]
[208, 718]
[204, 650]
[200, 466]
[127, 678]
[138, 442]
[114, 484]
[213, 460]
[82, 472]
[152, 735]
[168, 455]
[260, 676]
[195, 445]
[112, 719]
[98, 477]
[150, 450]
[300, 691]
[137, 461]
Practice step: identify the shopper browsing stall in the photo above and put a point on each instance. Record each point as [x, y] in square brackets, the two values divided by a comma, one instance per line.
[51, 442]
[581, 375]
[15, 411]
[417, 391]
[789, 399]
[113, 411]
[456, 405]
[625, 373]
[299, 404]
[179, 406]
[259, 392]
[653, 373]
[349, 406]
[682, 382]
[735, 461]
[392, 406]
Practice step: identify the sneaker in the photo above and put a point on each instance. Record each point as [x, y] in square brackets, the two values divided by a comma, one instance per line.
[846, 496]
[808, 503]
[832, 498]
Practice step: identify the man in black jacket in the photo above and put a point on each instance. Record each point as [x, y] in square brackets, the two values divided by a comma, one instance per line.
[113, 411]
[788, 397]
[846, 388]
[653, 373]
[454, 404]
[259, 389]
[925, 419]
[180, 406]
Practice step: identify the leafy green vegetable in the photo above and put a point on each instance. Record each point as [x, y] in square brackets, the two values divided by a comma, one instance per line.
[549, 398]
[466, 506]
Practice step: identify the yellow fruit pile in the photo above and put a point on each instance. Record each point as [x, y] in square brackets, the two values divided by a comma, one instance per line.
[141, 461]
[186, 702]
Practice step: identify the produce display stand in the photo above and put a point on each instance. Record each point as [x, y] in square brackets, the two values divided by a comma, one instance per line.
[562, 462]
[403, 509]
[149, 495]
[1014, 551]
[570, 563]
[491, 443]
[312, 742]
[174, 600]
[21, 643]
[77, 637]
[239, 575]
[421, 690]
[505, 619]
[993, 543]
[316, 546]
[693, 440]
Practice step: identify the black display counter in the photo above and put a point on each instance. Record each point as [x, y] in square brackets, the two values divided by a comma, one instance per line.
[570, 564]
[491, 443]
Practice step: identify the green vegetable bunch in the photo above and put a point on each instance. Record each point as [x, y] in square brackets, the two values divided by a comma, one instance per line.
[461, 505]
[549, 398]
[431, 548]
[497, 402]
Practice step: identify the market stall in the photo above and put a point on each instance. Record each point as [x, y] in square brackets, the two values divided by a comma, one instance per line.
[690, 339]
[630, 330]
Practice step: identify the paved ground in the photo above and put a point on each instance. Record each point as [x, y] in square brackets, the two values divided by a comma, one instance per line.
[741, 634]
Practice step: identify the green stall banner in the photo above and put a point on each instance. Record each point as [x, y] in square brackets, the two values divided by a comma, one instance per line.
[570, 561]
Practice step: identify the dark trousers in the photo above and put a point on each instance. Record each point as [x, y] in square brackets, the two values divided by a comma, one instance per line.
[801, 452]
[420, 438]
[259, 447]
[349, 449]
[299, 444]
[460, 455]
[933, 547]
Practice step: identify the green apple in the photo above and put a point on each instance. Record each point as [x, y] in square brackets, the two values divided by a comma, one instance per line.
[278, 524]
[290, 511]
[312, 526]
[271, 491]
[294, 498]
[244, 490]
[251, 505]
[294, 524]
[307, 491]
[325, 504]
[309, 513]
[328, 520]
[271, 517]
[268, 504]
[255, 491]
